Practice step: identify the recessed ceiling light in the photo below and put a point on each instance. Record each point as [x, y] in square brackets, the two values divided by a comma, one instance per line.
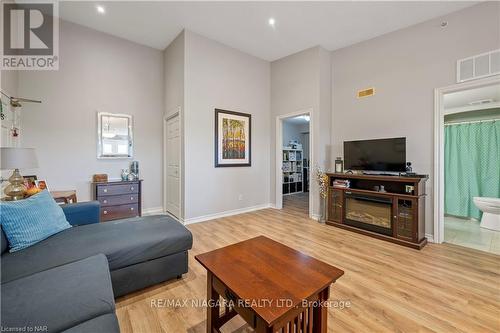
[100, 9]
[271, 22]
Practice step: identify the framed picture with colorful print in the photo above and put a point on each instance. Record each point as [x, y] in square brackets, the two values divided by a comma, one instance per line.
[233, 145]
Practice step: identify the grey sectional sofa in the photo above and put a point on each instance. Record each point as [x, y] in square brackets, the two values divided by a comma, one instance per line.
[74, 275]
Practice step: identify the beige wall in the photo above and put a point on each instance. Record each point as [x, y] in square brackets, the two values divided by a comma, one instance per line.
[174, 66]
[217, 76]
[98, 72]
[299, 82]
[405, 67]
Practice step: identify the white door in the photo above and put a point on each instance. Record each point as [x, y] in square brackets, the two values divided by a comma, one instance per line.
[173, 154]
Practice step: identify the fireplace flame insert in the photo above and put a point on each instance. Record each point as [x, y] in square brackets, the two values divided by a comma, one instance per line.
[373, 213]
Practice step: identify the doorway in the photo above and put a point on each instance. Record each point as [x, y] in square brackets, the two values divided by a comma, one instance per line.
[468, 151]
[172, 165]
[293, 165]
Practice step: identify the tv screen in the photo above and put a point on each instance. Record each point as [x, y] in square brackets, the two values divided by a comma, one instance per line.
[376, 155]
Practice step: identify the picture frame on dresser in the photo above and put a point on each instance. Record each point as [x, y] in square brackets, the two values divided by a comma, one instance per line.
[118, 199]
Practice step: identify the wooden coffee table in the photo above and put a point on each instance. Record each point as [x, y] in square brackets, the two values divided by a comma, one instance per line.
[272, 286]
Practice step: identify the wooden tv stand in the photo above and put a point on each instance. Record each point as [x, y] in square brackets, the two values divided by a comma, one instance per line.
[397, 215]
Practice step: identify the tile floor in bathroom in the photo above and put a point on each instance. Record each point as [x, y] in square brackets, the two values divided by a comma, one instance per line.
[468, 233]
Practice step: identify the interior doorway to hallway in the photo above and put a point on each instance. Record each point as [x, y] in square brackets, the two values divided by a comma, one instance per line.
[294, 142]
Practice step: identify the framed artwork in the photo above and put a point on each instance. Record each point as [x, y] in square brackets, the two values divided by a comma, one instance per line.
[42, 185]
[30, 181]
[232, 139]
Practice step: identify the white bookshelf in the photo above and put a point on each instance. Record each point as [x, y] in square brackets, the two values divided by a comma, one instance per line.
[292, 168]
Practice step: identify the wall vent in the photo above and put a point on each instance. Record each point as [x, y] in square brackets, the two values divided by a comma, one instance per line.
[366, 92]
[478, 66]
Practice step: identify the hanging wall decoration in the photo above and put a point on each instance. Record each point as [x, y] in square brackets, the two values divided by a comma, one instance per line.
[232, 139]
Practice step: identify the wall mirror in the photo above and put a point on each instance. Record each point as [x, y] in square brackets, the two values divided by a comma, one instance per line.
[114, 135]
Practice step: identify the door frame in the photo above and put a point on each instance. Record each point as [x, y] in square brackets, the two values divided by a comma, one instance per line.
[279, 155]
[176, 112]
[439, 113]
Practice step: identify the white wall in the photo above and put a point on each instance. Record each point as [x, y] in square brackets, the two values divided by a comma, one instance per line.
[298, 82]
[291, 131]
[174, 74]
[405, 67]
[98, 72]
[217, 76]
[9, 81]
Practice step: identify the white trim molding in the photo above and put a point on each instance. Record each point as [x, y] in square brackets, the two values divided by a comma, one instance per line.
[316, 217]
[226, 213]
[279, 155]
[439, 113]
[153, 211]
[430, 238]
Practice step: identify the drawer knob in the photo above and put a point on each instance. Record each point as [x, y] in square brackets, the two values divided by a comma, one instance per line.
[105, 212]
[131, 188]
[131, 198]
[131, 208]
[105, 201]
[105, 190]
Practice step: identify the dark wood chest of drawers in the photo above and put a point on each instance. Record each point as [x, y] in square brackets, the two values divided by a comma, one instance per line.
[120, 199]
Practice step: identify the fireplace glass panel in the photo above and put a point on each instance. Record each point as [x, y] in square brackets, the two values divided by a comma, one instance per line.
[368, 212]
[405, 219]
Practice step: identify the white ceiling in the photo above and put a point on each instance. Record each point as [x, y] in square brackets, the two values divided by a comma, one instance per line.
[243, 25]
[463, 98]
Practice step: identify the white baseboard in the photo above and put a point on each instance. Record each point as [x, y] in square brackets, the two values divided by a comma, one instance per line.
[430, 238]
[153, 211]
[316, 217]
[226, 213]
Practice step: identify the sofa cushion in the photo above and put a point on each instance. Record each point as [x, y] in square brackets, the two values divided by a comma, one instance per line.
[59, 298]
[107, 323]
[124, 242]
[27, 222]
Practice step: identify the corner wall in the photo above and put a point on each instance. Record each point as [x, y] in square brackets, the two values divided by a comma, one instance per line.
[300, 82]
[217, 76]
[174, 67]
[405, 67]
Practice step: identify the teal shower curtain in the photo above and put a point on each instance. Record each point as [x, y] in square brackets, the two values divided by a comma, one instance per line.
[471, 166]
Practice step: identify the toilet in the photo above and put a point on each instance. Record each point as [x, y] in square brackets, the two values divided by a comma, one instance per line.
[491, 212]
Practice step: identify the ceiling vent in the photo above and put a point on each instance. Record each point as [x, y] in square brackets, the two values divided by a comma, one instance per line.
[478, 66]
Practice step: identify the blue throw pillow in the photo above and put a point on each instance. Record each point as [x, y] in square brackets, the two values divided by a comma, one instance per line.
[29, 221]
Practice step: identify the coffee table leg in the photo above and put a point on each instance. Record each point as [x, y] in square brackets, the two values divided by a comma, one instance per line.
[320, 314]
[261, 327]
[212, 311]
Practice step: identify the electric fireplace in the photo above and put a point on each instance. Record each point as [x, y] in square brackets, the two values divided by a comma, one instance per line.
[373, 213]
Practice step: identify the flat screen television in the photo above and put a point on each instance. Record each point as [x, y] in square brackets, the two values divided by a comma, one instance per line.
[383, 155]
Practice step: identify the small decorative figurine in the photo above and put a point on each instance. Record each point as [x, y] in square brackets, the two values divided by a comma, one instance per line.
[124, 174]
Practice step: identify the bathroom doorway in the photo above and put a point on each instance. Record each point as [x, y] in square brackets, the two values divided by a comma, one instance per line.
[471, 169]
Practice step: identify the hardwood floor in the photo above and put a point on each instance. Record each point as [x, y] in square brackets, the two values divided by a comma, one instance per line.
[390, 288]
[297, 203]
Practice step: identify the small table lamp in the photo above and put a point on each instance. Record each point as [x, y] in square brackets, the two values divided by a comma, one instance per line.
[14, 159]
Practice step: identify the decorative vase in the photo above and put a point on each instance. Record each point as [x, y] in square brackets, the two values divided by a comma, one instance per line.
[124, 175]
